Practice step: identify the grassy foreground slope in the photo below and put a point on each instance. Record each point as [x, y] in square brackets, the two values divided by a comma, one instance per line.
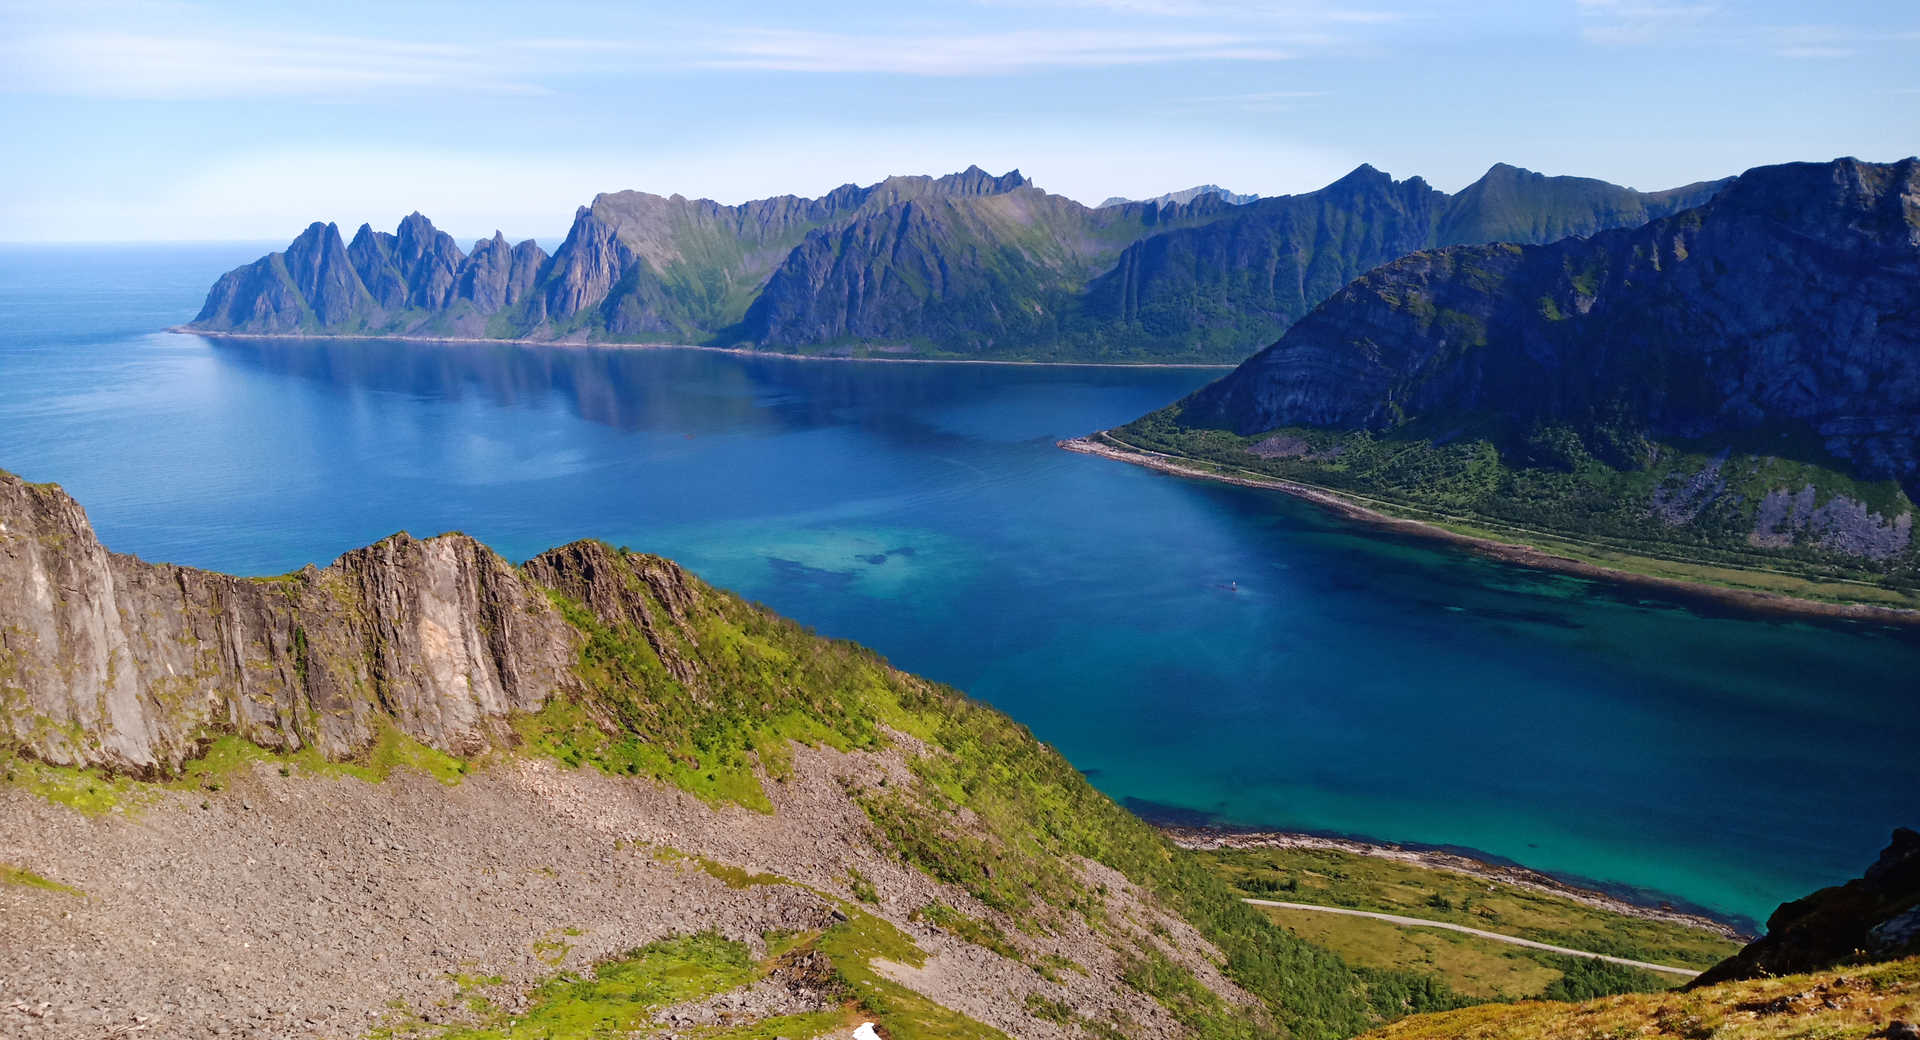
[1833, 1005]
[991, 810]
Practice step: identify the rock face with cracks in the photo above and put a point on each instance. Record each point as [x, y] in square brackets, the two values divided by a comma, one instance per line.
[106, 660]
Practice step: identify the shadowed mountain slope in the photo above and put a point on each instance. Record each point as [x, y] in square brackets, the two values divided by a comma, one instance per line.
[1739, 381]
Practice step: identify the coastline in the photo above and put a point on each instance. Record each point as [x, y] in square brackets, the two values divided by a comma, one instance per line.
[183, 330]
[1754, 601]
[1205, 839]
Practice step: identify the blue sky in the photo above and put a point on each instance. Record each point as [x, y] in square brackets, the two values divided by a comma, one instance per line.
[181, 120]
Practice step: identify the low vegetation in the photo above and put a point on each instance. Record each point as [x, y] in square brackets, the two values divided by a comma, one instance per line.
[1676, 510]
[1480, 968]
[1331, 877]
[24, 878]
[1850, 1005]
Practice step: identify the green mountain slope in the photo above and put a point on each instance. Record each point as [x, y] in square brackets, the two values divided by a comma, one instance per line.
[1737, 384]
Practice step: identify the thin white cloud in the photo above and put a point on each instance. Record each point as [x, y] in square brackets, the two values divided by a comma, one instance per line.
[134, 65]
[989, 53]
[1635, 22]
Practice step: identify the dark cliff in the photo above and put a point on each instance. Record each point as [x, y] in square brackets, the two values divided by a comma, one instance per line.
[1735, 385]
[1793, 296]
[1875, 917]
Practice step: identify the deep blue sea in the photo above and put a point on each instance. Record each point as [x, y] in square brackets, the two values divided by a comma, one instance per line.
[1201, 651]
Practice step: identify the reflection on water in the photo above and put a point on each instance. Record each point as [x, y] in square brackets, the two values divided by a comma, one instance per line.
[662, 390]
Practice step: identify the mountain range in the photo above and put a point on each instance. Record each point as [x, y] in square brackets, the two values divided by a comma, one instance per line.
[1739, 381]
[968, 265]
[1186, 195]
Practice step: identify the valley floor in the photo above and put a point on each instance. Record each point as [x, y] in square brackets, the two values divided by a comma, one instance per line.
[1753, 590]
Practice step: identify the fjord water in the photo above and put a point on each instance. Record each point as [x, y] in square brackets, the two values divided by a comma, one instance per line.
[1201, 651]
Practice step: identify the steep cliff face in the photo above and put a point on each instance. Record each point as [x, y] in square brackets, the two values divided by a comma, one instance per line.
[414, 281]
[969, 264]
[107, 660]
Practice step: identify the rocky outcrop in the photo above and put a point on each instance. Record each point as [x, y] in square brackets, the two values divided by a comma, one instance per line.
[1791, 298]
[409, 281]
[1875, 917]
[498, 276]
[970, 264]
[107, 660]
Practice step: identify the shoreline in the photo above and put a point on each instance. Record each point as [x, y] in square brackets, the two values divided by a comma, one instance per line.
[183, 330]
[1754, 601]
[1208, 839]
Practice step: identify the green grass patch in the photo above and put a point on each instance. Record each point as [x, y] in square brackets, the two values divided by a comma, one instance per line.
[711, 702]
[795, 1027]
[24, 878]
[854, 944]
[620, 995]
[738, 877]
[91, 791]
[984, 934]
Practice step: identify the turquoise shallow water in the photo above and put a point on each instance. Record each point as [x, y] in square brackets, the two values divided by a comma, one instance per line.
[1203, 652]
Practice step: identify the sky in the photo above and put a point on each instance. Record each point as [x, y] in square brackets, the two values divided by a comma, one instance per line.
[176, 120]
